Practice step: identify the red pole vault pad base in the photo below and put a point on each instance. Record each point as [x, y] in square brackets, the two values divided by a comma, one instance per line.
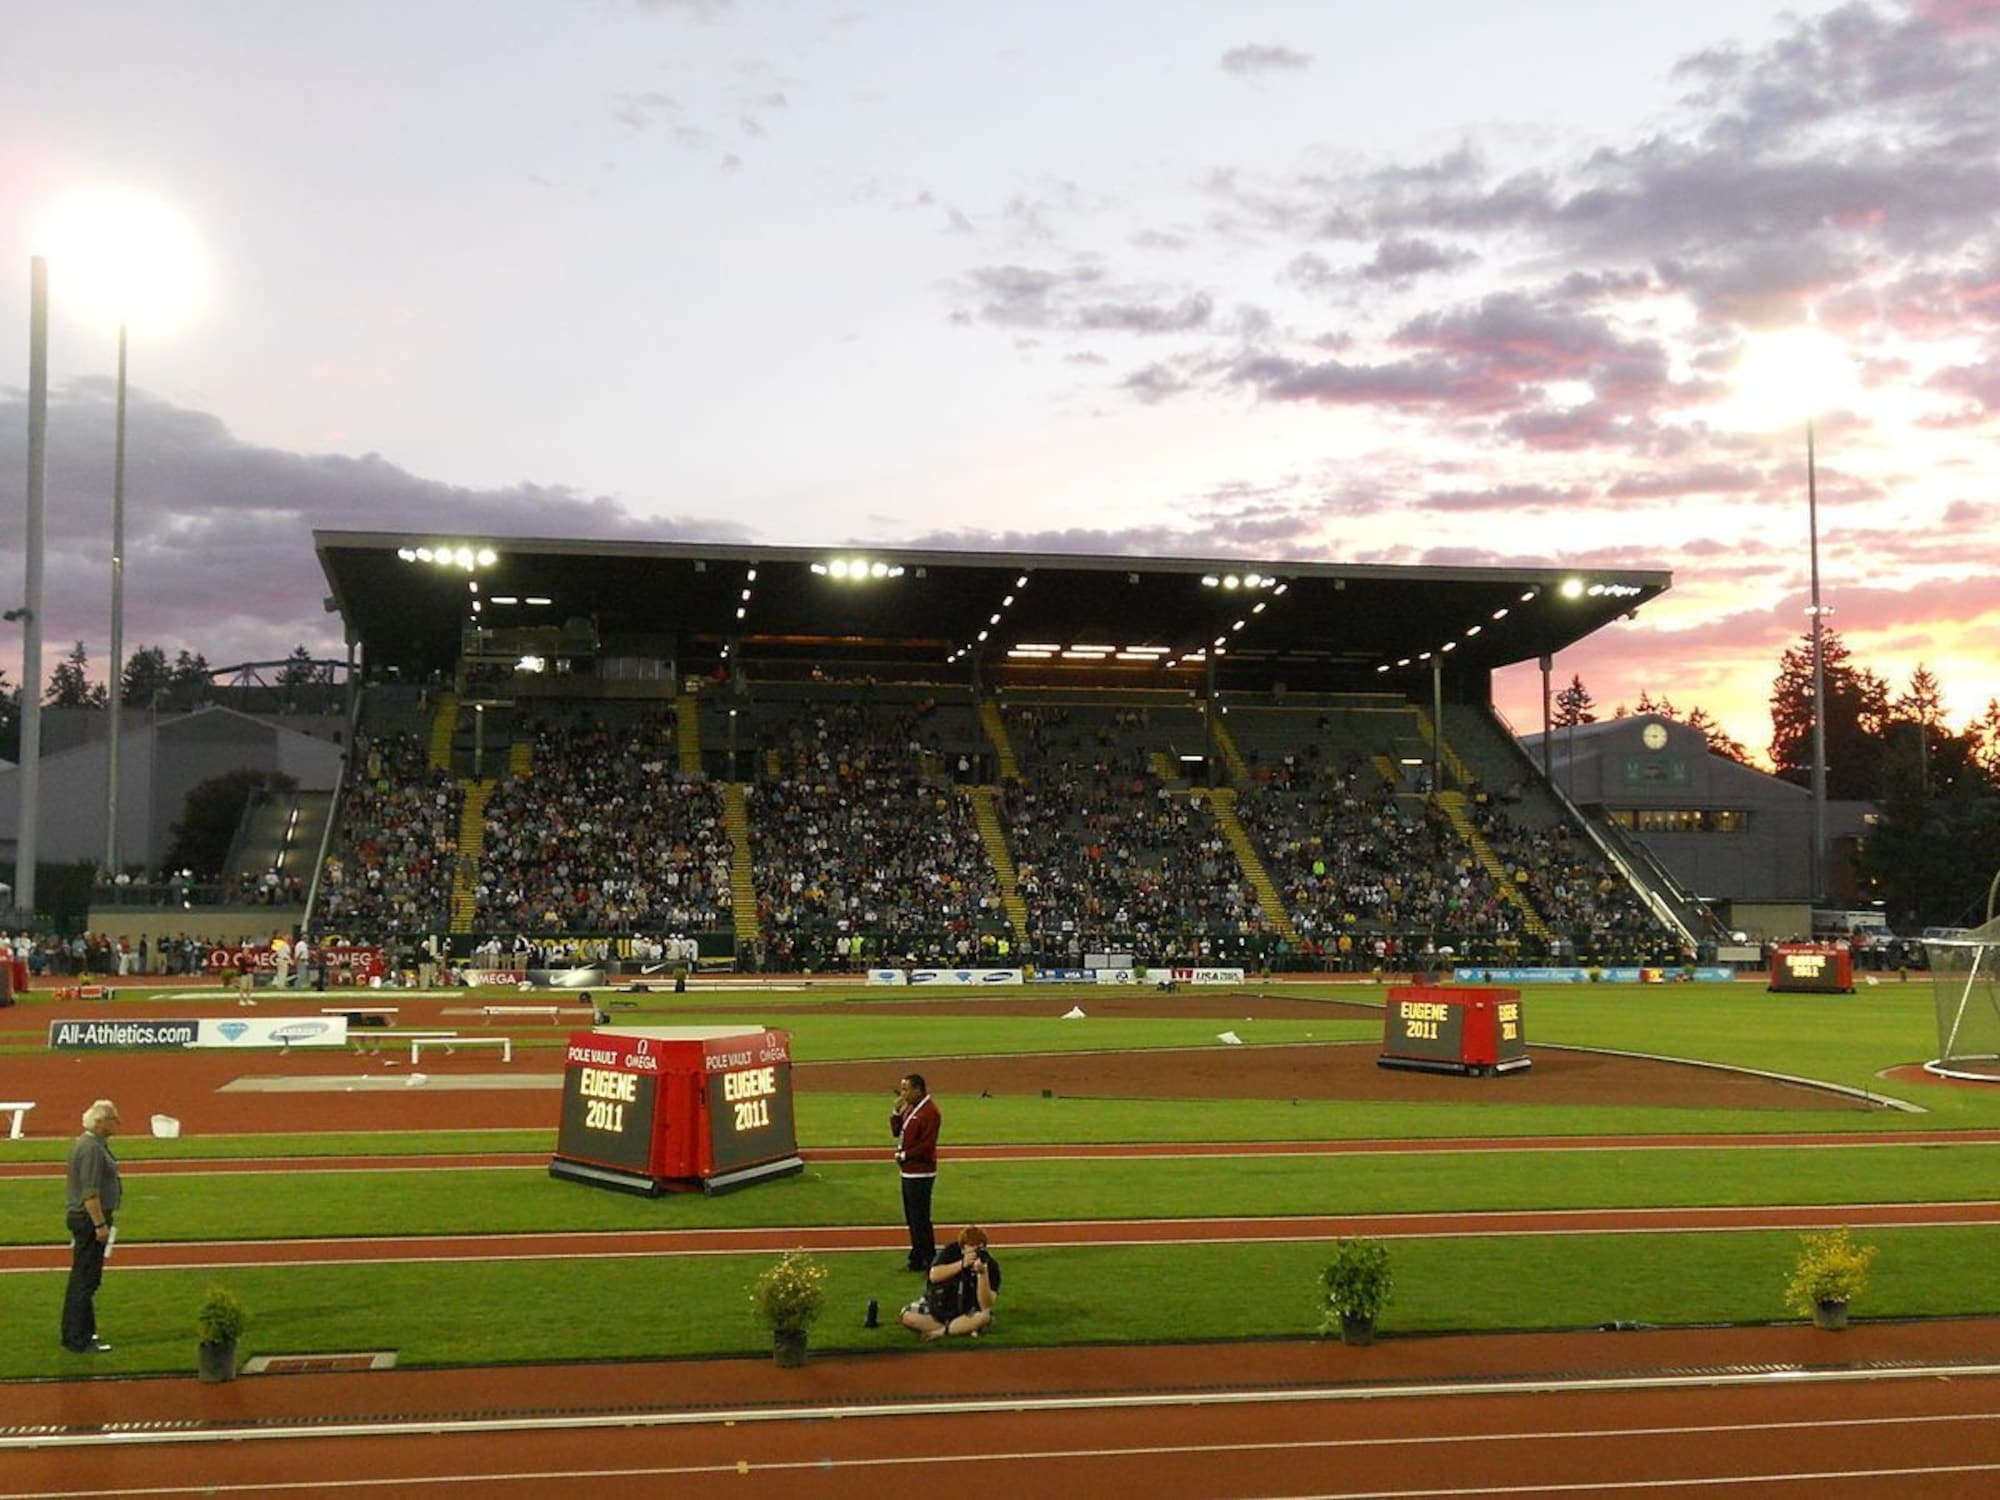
[660, 1109]
[1454, 1029]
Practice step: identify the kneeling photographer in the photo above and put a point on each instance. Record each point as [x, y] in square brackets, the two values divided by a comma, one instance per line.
[960, 1289]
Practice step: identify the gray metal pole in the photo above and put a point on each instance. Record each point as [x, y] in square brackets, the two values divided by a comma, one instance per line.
[28, 844]
[1437, 724]
[1818, 865]
[1548, 726]
[115, 672]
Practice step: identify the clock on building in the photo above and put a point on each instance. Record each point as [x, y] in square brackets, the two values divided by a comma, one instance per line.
[1654, 736]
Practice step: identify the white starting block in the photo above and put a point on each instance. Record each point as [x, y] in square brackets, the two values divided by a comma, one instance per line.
[19, 1110]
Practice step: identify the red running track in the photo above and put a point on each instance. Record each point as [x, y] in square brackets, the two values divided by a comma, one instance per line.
[1879, 1411]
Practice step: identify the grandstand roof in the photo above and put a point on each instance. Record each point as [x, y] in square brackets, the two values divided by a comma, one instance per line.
[407, 598]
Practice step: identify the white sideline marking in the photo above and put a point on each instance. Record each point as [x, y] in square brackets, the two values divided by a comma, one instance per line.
[1150, 1400]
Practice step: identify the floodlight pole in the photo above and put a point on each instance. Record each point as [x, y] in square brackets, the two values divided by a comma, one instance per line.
[1548, 726]
[115, 672]
[27, 843]
[1817, 866]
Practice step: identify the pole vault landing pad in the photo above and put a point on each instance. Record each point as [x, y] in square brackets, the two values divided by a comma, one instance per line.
[390, 1083]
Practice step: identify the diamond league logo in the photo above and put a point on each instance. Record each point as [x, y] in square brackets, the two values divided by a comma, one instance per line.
[232, 1030]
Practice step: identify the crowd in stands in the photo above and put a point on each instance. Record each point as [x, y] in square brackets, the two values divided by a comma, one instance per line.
[1350, 856]
[852, 841]
[391, 865]
[604, 835]
[267, 889]
[1105, 852]
[863, 851]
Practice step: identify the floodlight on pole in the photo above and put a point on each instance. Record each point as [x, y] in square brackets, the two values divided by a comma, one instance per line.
[128, 257]
[1781, 375]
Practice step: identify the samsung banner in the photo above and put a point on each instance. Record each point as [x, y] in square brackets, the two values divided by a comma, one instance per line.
[966, 976]
[887, 976]
[274, 1031]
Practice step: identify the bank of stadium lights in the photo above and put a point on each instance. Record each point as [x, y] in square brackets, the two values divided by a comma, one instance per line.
[992, 621]
[467, 558]
[1241, 581]
[857, 569]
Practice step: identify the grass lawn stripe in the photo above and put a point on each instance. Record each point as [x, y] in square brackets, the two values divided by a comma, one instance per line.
[644, 1307]
[441, 1201]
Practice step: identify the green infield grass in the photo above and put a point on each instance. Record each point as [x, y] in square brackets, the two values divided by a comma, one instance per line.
[446, 1313]
[269, 1205]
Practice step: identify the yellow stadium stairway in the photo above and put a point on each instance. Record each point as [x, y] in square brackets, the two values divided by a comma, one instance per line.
[1222, 803]
[1387, 768]
[444, 729]
[774, 764]
[687, 732]
[986, 814]
[521, 759]
[1453, 804]
[742, 884]
[1232, 758]
[1003, 748]
[471, 844]
[1447, 756]
[1163, 767]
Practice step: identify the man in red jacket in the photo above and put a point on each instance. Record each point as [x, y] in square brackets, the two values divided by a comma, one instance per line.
[914, 1123]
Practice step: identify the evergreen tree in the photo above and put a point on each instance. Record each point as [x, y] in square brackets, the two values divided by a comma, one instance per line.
[1985, 732]
[146, 673]
[188, 681]
[1573, 705]
[70, 685]
[300, 670]
[1857, 706]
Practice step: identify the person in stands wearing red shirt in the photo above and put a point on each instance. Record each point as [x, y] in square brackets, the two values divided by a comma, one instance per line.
[914, 1123]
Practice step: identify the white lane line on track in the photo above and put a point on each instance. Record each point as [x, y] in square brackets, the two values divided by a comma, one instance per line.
[432, 1428]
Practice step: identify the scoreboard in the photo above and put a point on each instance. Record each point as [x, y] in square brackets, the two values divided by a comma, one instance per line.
[1454, 1029]
[1812, 969]
[653, 1109]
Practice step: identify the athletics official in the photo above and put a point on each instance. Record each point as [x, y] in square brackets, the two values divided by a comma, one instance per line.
[914, 1123]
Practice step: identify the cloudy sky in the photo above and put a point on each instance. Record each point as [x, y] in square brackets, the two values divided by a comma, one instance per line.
[1443, 281]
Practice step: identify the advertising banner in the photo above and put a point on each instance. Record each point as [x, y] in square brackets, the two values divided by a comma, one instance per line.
[887, 976]
[972, 977]
[75, 1036]
[494, 976]
[1116, 976]
[1208, 976]
[273, 1031]
[1066, 976]
[1706, 973]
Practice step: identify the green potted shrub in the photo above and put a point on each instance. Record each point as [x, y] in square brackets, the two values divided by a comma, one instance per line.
[1356, 1283]
[1831, 1272]
[788, 1296]
[218, 1324]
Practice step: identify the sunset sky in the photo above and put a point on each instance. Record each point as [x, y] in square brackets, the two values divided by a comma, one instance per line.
[1438, 282]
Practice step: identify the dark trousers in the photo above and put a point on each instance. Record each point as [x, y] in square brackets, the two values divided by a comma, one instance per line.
[86, 1270]
[917, 1214]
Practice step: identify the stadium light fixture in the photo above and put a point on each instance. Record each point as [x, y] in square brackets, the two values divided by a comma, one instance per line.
[1472, 630]
[1210, 581]
[505, 599]
[530, 664]
[1021, 582]
[1529, 597]
[1572, 588]
[488, 557]
[1231, 581]
[1500, 614]
[407, 554]
[1449, 646]
[538, 599]
[1259, 607]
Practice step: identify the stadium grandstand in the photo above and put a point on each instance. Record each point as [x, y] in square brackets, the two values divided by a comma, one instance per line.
[825, 758]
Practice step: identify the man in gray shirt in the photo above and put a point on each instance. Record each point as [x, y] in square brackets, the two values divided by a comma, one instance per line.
[92, 1192]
